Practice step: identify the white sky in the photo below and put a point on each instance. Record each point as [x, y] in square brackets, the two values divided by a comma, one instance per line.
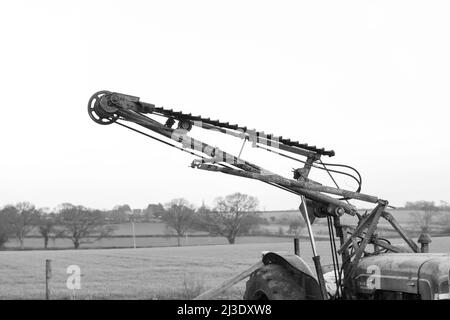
[367, 79]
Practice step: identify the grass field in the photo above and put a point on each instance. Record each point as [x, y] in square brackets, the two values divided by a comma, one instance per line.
[147, 273]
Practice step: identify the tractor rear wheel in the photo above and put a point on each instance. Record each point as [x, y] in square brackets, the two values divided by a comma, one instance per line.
[273, 282]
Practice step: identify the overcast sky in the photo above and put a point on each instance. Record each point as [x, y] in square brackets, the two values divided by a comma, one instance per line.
[368, 79]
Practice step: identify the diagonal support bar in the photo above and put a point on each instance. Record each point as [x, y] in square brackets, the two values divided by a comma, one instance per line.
[390, 218]
[358, 231]
[371, 229]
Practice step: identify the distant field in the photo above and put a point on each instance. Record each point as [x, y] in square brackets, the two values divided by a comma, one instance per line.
[145, 228]
[142, 228]
[405, 217]
[148, 273]
[401, 215]
[143, 242]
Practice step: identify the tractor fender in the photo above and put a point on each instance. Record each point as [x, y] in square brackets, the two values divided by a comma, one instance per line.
[289, 261]
[299, 267]
[434, 277]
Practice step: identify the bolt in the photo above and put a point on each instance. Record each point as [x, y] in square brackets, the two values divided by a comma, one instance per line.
[114, 98]
[340, 211]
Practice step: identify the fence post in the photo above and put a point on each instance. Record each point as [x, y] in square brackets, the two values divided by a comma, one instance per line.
[48, 275]
[134, 233]
[296, 247]
[424, 240]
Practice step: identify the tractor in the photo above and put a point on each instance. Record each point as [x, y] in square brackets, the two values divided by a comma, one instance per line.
[364, 265]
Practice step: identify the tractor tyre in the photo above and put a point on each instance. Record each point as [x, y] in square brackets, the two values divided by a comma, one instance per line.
[274, 282]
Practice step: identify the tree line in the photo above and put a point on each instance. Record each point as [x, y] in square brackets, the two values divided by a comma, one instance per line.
[75, 222]
[229, 217]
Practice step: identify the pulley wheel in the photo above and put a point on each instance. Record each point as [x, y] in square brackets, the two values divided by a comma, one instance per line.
[97, 113]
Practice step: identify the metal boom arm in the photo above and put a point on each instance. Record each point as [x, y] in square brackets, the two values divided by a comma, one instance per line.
[107, 107]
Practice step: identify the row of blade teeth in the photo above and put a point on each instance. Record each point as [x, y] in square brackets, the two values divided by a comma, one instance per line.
[245, 129]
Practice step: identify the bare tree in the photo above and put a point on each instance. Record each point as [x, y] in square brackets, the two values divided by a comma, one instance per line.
[424, 214]
[231, 216]
[82, 224]
[5, 227]
[23, 218]
[179, 215]
[47, 226]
